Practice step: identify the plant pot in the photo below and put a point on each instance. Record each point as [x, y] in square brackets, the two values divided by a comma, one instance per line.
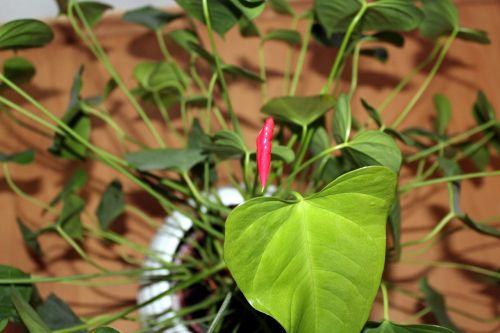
[166, 243]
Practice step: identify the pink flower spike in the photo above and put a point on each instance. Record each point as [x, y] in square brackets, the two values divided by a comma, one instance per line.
[264, 147]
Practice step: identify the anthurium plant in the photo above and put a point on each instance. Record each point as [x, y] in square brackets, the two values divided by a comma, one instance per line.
[320, 217]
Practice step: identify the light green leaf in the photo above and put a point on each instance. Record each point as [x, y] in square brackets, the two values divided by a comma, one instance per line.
[389, 327]
[28, 315]
[7, 309]
[19, 70]
[283, 153]
[158, 76]
[342, 119]
[437, 304]
[150, 17]
[338, 241]
[250, 9]
[58, 315]
[112, 204]
[299, 110]
[230, 139]
[92, 11]
[24, 33]
[25, 157]
[3, 324]
[290, 37]
[181, 160]
[30, 237]
[443, 108]
[223, 14]
[440, 18]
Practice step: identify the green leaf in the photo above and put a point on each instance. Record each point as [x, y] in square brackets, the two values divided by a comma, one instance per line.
[7, 309]
[65, 146]
[223, 14]
[480, 156]
[440, 18]
[150, 17]
[19, 70]
[395, 227]
[473, 35]
[112, 204]
[25, 157]
[106, 330]
[383, 15]
[92, 11]
[342, 119]
[250, 9]
[443, 108]
[231, 140]
[283, 153]
[3, 324]
[290, 37]
[379, 53]
[57, 314]
[437, 304]
[281, 7]
[248, 27]
[389, 37]
[28, 315]
[181, 160]
[76, 182]
[389, 327]
[302, 111]
[30, 238]
[155, 77]
[69, 219]
[338, 240]
[375, 148]
[24, 33]
[373, 113]
[240, 71]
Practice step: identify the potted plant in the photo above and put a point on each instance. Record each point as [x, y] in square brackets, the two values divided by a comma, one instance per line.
[297, 242]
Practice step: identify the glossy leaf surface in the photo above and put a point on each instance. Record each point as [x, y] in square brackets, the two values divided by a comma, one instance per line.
[309, 262]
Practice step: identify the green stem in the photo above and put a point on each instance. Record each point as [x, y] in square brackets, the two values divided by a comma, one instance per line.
[99, 52]
[402, 116]
[385, 298]
[198, 197]
[288, 60]
[220, 314]
[163, 46]
[355, 70]
[407, 79]
[194, 74]
[343, 46]
[302, 57]
[444, 221]
[410, 186]
[218, 66]
[418, 315]
[164, 113]
[451, 141]
[454, 265]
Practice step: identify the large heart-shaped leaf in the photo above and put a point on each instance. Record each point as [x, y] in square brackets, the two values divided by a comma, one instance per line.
[309, 262]
[298, 109]
[375, 148]
[25, 33]
[389, 327]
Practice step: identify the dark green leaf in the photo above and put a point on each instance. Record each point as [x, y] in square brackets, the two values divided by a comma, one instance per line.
[28, 315]
[223, 14]
[395, 227]
[112, 204]
[480, 156]
[230, 139]
[335, 167]
[250, 8]
[92, 11]
[342, 119]
[483, 110]
[248, 27]
[150, 17]
[69, 219]
[30, 238]
[440, 18]
[197, 138]
[181, 160]
[7, 309]
[373, 113]
[437, 304]
[335, 15]
[338, 236]
[75, 183]
[389, 37]
[474, 35]
[375, 148]
[25, 33]
[57, 314]
[379, 53]
[19, 70]
[25, 157]
[106, 330]
[479, 227]
[302, 111]
[291, 37]
[243, 72]
[281, 7]
[389, 327]
[443, 108]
